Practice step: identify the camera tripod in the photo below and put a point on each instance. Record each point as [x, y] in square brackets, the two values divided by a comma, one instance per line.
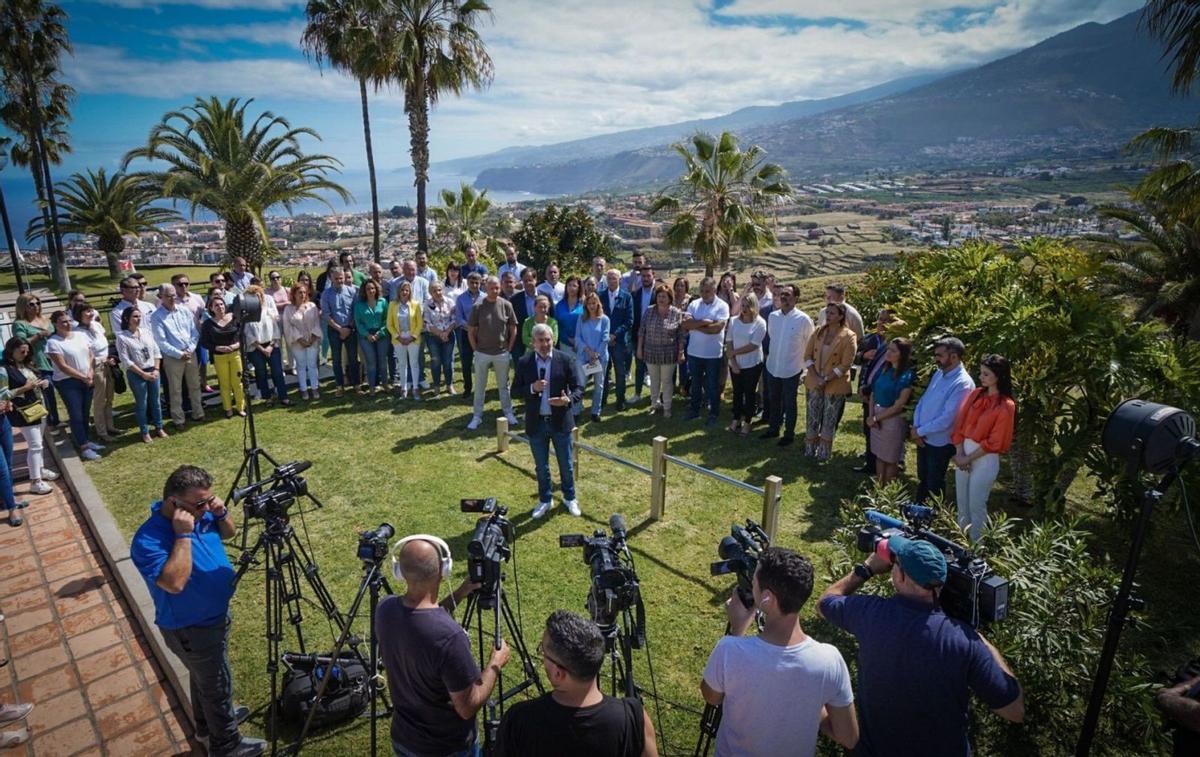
[373, 580]
[285, 559]
[502, 617]
[619, 644]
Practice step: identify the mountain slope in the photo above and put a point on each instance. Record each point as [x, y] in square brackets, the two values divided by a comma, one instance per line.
[1083, 92]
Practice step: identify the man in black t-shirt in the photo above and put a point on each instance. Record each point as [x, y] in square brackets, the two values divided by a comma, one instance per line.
[435, 684]
[575, 718]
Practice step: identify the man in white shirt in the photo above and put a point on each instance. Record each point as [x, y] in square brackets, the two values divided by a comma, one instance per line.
[130, 297]
[599, 271]
[511, 264]
[781, 675]
[552, 287]
[789, 330]
[175, 331]
[836, 294]
[631, 280]
[194, 304]
[705, 321]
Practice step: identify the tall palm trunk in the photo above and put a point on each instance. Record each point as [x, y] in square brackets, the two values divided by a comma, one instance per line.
[418, 131]
[112, 245]
[58, 262]
[12, 243]
[242, 240]
[39, 186]
[362, 91]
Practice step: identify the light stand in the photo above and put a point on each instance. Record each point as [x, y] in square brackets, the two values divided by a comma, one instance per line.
[1162, 440]
[8, 234]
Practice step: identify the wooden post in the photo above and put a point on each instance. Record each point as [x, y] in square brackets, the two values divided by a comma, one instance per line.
[502, 434]
[658, 478]
[770, 514]
[575, 454]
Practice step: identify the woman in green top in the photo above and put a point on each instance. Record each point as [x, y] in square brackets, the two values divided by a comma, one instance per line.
[35, 328]
[370, 321]
[541, 314]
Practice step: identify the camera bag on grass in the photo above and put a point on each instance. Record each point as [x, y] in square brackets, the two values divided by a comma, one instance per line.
[345, 696]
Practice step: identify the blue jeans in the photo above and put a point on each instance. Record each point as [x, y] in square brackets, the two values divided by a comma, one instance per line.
[539, 444]
[8, 500]
[932, 462]
[441, 360]
[618, 360]
[274, 365]
[145, 401]
[48, 398]
[77, 396]
[399, 751]
[203, 650]
[346, 376]
[466, 358]
[640, 374]
[375, 355]
[597, 385]
[706, 376]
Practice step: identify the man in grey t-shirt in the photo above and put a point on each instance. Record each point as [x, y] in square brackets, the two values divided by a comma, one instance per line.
[492, 329]
[775, 687]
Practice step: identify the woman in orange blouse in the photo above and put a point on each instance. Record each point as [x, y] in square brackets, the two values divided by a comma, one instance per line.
[983, 431]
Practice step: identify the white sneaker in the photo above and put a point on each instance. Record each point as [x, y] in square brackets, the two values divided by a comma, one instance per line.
[543, 508]
[572, 506]
[96, 445]
[40, 487]
[49, 475]
[90, 454]
[474, 424]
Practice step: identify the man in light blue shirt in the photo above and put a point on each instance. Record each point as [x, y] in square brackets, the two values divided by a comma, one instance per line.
[241, 275]
[174, 329]
[462, 315]
[934, 417]
[511, 264]
[423, 269]
[337, 303]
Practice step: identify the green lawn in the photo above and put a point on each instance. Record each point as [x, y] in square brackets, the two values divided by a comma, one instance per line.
[376, 460]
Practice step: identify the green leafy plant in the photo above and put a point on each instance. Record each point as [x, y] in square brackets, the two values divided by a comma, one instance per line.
[567, 236]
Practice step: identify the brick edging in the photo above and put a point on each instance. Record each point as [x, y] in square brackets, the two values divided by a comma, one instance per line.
[115, 550]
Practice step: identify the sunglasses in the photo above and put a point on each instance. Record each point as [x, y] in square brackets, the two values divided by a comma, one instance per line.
[541, 650]
[201, 504]
[184, 284]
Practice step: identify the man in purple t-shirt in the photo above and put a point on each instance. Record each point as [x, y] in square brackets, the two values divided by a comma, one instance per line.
[436, 686]
[915, 664]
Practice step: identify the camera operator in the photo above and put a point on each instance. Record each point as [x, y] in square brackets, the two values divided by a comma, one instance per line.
[179, 553]
[781, 675]
[435, 683]
[575, 717]
[916, 664]
[1180, 704]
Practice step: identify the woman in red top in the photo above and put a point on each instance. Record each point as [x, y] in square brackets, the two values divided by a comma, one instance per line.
[982, 432]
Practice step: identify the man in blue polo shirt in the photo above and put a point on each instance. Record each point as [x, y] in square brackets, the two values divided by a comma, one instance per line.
[179, 553]
[915, 664]
[933, 418]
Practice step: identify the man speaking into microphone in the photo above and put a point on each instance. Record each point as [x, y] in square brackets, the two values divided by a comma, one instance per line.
[547, 380]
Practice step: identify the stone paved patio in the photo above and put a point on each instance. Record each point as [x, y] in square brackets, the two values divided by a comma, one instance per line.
[73, 646]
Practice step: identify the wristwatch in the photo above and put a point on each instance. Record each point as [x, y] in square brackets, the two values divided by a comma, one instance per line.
[862, 571]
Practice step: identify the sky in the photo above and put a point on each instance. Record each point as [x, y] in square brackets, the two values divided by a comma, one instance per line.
[563, 68]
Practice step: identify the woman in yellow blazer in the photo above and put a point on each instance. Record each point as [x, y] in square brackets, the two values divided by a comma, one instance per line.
[405, 325]
[828, 357]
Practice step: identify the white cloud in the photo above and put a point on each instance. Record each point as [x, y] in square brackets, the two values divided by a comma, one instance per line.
[266, 5]
[266, 33]
[871, 11]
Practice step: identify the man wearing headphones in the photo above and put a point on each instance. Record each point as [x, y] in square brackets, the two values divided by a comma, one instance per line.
[915, 664]
[435, 684]
[780, 675]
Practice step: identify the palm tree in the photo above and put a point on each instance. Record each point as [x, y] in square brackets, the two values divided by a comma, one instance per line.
[1177, 24]
[33, 37]
[462, 220]
[25, 153]
[719, 200]
[347, 33]
[435, 49]
[1161, 276]
[235, 168]
[109, 208]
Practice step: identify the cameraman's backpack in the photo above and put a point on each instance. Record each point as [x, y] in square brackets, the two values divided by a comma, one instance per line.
[346, 694]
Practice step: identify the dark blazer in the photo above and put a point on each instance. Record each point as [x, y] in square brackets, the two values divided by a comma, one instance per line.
[620, 318]
[518, 303]
[562, 377]
[635, 302]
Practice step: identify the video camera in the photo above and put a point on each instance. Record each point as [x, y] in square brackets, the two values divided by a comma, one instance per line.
[973, 593]
[285, 485]
[739, 554]
[373, 545]
[490, 546]
[614, 583]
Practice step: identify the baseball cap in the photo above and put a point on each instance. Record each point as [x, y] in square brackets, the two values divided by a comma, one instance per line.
[922, 561]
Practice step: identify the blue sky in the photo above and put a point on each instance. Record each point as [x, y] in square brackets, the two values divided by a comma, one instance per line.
[564, 68]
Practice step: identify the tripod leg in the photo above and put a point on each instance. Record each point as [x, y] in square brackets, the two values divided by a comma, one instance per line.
[514, 631]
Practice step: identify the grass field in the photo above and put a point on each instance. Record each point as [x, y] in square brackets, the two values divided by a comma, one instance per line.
[376, 460]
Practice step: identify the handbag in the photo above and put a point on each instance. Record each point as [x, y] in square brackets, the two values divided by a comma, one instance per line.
[118, 379]
[33, 412]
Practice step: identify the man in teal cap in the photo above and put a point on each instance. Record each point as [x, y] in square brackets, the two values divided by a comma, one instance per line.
[916, 665]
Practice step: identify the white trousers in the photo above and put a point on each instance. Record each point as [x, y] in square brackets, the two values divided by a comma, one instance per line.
[33, 455]
[408, 360]
[482, 362]
[972, 488]
[305, 360]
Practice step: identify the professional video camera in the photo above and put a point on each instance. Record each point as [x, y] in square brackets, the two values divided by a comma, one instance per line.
[973, 592]
[490, 546]
[285, 485]
[373, 545]
[739, 554]
[614, 582]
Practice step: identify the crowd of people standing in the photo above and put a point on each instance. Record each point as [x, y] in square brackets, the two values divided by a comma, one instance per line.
[624, 330]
